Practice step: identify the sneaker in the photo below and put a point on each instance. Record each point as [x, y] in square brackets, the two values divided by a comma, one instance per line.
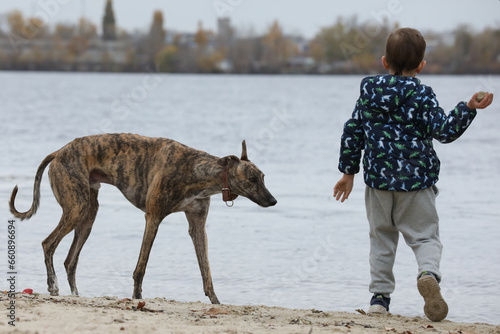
[379, 304]
[435, 307]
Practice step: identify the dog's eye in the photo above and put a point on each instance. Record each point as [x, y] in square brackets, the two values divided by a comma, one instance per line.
[253, 179]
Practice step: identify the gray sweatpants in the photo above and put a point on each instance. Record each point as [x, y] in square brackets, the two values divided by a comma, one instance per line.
[414, 215]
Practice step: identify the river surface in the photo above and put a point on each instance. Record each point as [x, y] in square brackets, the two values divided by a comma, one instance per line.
[306, 252]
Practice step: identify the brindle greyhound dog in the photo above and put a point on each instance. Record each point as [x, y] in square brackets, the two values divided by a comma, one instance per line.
[157, 175]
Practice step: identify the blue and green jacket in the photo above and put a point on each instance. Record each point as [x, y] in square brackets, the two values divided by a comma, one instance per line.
[394, 122]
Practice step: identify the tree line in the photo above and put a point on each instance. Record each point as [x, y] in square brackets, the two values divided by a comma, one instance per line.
[346, 46]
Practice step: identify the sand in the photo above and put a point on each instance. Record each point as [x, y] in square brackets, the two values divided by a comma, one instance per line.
[38, 313]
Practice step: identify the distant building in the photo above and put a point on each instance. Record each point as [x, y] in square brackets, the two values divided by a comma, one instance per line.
[300, 42]
[225, 32]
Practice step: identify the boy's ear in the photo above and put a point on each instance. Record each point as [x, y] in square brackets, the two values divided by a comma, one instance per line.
[384, 61]
[421, 66]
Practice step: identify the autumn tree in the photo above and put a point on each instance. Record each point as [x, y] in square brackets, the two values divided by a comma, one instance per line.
[201, 36]
[109, 23]
[78, 45]
[27, 28]
[86, 29]
[476, 52]
[15, 20]
[156, 37]
[208, 57]
[38, 28]
[277, 48]
[166, 60]
[65, 31]
[325, 47]
[22, 30]
[438, 54]
[359, 46]
[490, 52]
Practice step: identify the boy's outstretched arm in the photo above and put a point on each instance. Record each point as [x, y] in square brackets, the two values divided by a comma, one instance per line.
[448, 127]
[343, 187]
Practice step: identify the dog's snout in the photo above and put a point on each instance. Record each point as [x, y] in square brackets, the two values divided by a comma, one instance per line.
[272, 201]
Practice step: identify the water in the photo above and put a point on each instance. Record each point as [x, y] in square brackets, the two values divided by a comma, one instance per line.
[308, 251]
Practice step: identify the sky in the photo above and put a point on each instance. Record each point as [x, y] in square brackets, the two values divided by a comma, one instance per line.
[304, 17]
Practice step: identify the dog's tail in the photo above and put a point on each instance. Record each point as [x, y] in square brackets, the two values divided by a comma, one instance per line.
[36, 191]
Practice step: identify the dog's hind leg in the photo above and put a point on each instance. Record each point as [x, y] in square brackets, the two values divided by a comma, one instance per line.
[72, 191]
[82, 232]
[67, 223]
[197, 217]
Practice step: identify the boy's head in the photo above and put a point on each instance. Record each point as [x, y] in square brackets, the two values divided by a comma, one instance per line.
[404, 51]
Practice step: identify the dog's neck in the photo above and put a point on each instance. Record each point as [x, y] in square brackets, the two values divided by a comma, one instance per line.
[208, 178]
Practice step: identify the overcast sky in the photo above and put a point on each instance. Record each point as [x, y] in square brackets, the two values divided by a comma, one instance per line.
[305, 17]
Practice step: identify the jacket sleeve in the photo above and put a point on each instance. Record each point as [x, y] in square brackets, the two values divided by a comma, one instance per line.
[446, 128]
[352, 143]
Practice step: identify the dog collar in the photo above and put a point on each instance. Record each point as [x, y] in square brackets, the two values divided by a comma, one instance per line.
[227, 196]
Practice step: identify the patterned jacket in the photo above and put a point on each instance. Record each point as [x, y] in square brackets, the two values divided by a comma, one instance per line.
[394, 122]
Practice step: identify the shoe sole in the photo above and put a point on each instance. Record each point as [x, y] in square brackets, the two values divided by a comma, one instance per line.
[435, 307]
[377, 309]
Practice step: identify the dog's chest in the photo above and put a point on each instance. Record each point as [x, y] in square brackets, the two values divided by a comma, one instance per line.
[191, 202]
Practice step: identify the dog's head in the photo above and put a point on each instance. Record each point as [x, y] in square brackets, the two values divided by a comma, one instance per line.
[246, 179]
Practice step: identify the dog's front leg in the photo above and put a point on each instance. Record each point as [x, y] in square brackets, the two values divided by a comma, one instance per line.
[147, 242]
[197, 216]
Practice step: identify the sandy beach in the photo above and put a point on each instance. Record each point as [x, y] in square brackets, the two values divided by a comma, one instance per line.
[38, 313]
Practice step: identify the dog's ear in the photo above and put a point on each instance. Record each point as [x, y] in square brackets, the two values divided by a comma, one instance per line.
[244, 155]
[230, 161]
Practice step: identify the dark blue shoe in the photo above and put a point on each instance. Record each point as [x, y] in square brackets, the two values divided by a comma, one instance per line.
[379, 304]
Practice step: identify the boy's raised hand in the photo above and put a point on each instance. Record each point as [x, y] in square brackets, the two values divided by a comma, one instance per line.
[343, 188]
[486, 101]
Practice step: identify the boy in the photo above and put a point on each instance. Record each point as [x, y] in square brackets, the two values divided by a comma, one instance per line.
[394, 122]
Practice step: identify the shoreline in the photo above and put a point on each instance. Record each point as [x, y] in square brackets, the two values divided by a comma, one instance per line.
[38, 313]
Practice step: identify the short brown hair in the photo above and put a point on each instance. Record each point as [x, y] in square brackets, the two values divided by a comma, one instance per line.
[404, 50]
